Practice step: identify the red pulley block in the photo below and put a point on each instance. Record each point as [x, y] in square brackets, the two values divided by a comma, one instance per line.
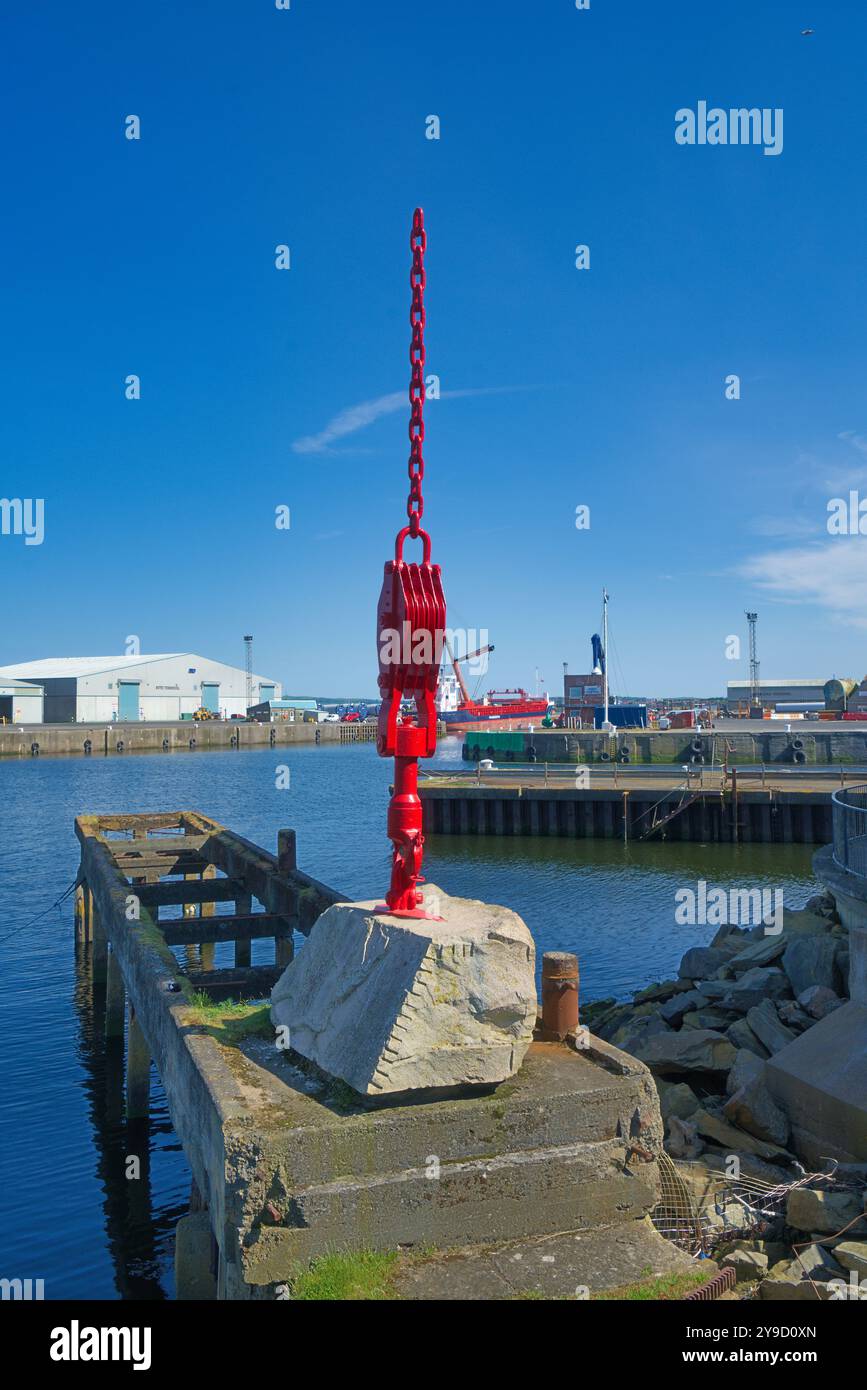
[411, 619]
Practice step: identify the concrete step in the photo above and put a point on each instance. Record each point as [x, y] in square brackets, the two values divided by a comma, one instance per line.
[554, 1266]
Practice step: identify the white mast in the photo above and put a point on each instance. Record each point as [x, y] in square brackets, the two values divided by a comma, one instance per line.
[606, 723]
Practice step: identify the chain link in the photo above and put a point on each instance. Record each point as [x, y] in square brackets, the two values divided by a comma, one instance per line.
[418, 245]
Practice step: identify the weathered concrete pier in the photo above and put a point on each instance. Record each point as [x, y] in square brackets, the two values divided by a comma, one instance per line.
[286, 1164]
[633, 804]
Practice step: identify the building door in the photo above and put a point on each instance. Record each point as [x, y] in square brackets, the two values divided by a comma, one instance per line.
[127, 699]
[211, 696]
[266, 692]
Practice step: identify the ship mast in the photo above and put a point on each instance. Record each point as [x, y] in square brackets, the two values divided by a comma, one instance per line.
[606, 724]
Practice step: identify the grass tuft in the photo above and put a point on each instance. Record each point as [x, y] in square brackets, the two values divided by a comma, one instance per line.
[228, 1020]
[664, 1286]
[348, 1276]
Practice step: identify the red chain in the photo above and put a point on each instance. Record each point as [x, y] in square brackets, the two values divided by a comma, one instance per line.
[418, 245]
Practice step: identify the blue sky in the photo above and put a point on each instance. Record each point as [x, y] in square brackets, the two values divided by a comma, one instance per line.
[602, 387]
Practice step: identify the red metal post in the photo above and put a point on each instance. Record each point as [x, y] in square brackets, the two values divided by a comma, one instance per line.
[559, 994]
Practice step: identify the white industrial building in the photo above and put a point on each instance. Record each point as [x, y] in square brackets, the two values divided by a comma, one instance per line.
[97, 689]
[776, 692]
[20, 702]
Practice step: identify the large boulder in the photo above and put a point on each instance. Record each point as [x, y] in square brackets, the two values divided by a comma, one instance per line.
[674, 1009]
[852, 1254]
[682, 1139]
[694, 1049]
[741, 1035]
[745, 1068]
[824, 1213]
[822, 905]
[794, 1016]
[815, 1262]
[676, 1098]
[812, 960]
[630, 1034]
[819, 1000]
[715, 1019]
[391, 1004]
[716, 989]
[760, 952]
[733, 1140]
[754, 1109]
[730, 939]
[701, 961]
[802, 922]
[755, 985]
[748, 1262]
[765, 1023]
[786, 1287]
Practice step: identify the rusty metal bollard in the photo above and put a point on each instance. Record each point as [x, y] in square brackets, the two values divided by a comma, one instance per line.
[559, 994]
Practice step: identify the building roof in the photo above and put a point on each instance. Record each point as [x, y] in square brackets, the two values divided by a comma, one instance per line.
[56, 667]
[775, 685]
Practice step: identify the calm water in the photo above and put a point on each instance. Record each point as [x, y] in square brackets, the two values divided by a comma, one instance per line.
[67, 1213]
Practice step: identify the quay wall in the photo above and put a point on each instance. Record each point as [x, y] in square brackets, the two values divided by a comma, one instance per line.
[757, 816]
[646, 746]
[187, 736]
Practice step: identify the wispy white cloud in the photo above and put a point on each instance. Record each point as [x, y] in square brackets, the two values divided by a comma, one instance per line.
[856, 440]
[358, 417]
[789, 528]
[832, 575]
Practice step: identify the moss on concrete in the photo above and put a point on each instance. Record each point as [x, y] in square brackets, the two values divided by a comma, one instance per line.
[352, 1275]
[228, 1021]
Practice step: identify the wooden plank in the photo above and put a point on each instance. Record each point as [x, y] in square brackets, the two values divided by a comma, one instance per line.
[213, 890]
[293, 894]
[157, 820]
[161, 864]
[192, 931]
[170, 844]
[254, 982]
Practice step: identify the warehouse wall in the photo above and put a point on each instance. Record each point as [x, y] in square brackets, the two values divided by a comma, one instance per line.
[22, 708]
[167, 689]
[59, 705]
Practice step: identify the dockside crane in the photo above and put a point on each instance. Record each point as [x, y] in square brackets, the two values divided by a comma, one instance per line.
[456, 663]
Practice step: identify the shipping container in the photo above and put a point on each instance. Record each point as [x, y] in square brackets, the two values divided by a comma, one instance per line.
[621, 716]
[682, 718]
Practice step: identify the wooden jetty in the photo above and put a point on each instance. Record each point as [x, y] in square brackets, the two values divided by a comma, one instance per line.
[133, 869]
